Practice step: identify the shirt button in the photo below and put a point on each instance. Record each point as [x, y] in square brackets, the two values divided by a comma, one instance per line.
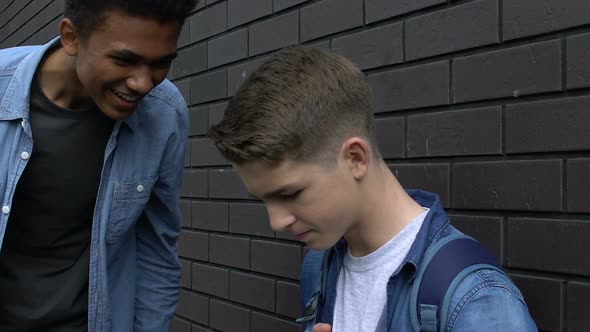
[25, 155]
[22, 123]
[140, 188]
[5, 209]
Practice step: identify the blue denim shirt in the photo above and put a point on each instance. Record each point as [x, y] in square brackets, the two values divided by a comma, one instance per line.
[486, 300]
[134, 279]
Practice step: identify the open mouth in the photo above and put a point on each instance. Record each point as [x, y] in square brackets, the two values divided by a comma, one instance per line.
[126, 97]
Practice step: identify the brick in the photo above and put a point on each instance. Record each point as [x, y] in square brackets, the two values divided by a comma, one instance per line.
[227, 317]
[208, 87]
[254, 291]
[199, 121]
[225, 183]
[578, 182]
[187, 156]
[372, 48]
[216, 112]
[390, 137]
[208, 22]
[194, 184]
[185, 211]
[211, 216]
[191, 60]
[184, 86]
[578, 311]
[186, 277]
[543, 298]
[376, 10]
[532, 244]
[516, 71]
[487, 230]
[198, 328]
[286, 235]
[194, 307]
[279, 5]
[527, 17]
[210, 280]
[465, 132]
[262, 322]
[288, 299]
[185, 36]
[250, 219]
[549, 125]
[274, 33]
[53, 10]
[457, 28]
[578, 61]
[230, 251]
[330, 16]
[228, 48]
[19, 21]
[413, 87]
[430, 177]
[201, 4]
[276, 258]
[206, 153]
[240, 11]
[180, 325]
[509, 185]
[43, 35]
[237, 75]
[194, 245]
[321, 45]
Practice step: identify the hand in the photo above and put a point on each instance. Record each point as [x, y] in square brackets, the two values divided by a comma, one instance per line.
[321, 327]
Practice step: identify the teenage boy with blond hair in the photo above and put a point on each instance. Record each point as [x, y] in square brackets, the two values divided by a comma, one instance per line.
[301, 134]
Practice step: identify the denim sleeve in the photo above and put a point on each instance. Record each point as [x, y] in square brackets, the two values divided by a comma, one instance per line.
[157, 232]
[487, 300]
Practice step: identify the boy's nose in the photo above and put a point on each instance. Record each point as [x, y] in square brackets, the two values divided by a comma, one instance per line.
[280, 218]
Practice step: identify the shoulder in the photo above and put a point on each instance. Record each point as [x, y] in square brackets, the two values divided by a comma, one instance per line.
[167, 94]
[488, 297]
[10, 58]
[164, 106]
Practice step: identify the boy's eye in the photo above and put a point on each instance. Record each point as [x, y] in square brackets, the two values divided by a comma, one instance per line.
[290, 196]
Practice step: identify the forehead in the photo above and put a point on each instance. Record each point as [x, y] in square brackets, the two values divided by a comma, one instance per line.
[143, 35]
[262, 177]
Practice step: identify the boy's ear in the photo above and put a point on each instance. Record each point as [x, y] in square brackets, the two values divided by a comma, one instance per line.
[69, 37]
[357, 155]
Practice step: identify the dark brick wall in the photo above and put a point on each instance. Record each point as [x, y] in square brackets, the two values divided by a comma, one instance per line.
[486, 102]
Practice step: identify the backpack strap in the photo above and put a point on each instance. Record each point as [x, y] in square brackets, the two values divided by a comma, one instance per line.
[445, 264]
[313, 285]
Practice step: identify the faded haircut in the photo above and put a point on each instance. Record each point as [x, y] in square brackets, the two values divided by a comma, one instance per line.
[300, 105]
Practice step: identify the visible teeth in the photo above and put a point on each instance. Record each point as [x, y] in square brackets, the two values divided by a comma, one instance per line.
[126, 97]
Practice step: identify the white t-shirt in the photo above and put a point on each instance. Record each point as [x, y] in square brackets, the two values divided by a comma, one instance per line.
[362, 282]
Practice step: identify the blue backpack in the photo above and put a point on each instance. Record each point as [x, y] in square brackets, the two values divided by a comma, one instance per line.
[445, 264]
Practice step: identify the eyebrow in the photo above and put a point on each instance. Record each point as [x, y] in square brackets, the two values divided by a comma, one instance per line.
[276, 192]
[134, 56]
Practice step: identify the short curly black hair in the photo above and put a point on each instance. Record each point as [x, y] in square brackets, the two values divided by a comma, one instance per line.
[87, 15]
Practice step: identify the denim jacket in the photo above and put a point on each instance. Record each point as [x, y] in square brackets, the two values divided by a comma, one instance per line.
[134, 276]
[486, 300]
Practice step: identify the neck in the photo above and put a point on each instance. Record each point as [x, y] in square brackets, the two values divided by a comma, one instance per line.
[59, 82]
[385, 210]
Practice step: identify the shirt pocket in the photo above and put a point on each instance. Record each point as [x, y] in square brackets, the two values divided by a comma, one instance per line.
[129, 201]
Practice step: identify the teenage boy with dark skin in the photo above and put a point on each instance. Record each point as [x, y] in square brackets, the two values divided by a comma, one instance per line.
[93, 147]
[300, 133]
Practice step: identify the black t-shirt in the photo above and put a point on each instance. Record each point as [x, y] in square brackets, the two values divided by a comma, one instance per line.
[44, 260]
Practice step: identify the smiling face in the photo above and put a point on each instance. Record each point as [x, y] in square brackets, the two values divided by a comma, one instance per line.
[122, 60]
[317, 204]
